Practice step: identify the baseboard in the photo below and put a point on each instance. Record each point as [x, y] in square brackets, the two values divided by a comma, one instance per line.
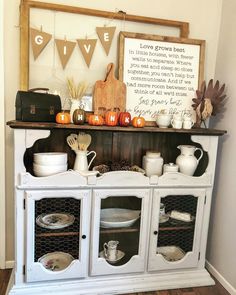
[10, 264]
[221, 279]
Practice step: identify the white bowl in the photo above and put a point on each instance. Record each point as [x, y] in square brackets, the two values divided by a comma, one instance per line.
[163, 120]
[46, 170]
[118, 217]
[49, 159]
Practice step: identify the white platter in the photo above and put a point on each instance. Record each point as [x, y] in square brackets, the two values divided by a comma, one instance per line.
[55, 220]
[117, 217]
[171, 253]
[56, 261]
[120, 255]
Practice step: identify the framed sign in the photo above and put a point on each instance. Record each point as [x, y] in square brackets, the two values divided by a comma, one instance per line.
[161, 73]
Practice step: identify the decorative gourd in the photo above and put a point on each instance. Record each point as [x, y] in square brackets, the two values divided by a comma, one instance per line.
[63, 118]
[138, 122]
[95, 120]
[78, 117]
[124, 119]
[111, 118]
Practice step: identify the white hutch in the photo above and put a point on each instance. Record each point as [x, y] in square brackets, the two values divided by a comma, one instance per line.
[144, 267]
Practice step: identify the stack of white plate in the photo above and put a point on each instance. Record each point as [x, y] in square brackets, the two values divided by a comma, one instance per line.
[46, 164]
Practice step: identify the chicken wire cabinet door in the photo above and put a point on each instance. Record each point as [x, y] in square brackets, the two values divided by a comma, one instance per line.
[176, 228]
[119, 230]
[57, 233]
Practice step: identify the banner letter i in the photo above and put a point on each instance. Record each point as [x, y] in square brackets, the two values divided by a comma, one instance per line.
[65, 49]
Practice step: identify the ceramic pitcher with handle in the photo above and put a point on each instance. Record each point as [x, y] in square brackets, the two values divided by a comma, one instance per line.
[81, 161]
[187, 161]
[110, 250]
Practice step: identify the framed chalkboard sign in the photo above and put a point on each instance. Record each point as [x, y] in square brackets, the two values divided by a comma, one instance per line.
[161, 73]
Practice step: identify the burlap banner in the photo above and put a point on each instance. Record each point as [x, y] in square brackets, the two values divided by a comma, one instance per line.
[106, 35]
[87, 47]
[65, 49]
[39, 40]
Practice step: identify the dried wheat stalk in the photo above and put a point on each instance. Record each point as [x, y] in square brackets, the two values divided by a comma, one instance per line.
[76, 91]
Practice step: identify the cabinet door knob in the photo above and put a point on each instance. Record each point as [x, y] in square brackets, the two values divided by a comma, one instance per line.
[155, 232]
[83, 236]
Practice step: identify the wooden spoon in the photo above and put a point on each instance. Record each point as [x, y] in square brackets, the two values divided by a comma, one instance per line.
[84, 141]
[72, 142]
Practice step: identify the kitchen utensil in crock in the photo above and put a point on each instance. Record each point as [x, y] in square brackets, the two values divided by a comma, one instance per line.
[72, 142]
[84, 141]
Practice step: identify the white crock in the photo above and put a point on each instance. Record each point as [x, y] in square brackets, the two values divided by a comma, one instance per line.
[152, 163]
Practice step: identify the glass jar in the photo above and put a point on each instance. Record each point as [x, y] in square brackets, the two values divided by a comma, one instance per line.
[153, 163]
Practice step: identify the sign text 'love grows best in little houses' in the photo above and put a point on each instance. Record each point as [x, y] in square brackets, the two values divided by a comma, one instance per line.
[160, 75]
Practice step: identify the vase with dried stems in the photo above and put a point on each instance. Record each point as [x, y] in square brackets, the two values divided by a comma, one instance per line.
[76, 92]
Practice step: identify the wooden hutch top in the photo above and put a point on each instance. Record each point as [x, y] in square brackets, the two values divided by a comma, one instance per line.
[46, 125]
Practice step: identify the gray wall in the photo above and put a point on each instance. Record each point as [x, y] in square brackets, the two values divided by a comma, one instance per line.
[222, 232]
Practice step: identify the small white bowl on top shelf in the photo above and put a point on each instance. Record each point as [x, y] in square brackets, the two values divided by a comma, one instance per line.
[163, 120]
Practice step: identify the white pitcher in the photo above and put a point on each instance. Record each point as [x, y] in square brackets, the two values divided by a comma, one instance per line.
[81, 161]
[110, 250]
[186, 161]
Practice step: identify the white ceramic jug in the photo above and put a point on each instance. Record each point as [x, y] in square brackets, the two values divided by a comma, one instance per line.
[186, 161]
[81, 161]
[110, 250]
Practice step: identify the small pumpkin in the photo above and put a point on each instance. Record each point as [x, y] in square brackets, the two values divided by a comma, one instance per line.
[78, 117]
[63, 118]
[138, 122]
[111, 118]
[124, 119]
[96, 120]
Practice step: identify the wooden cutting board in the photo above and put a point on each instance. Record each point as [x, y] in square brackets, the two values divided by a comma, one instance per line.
[110, 93]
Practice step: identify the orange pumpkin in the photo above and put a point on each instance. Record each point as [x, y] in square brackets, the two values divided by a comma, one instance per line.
[124, 119]
[63, 118]
[138, 122]
[111, 118]
[95, 120]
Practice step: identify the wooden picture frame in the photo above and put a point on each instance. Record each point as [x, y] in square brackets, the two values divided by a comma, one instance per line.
[161, 73]
[27, 5]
